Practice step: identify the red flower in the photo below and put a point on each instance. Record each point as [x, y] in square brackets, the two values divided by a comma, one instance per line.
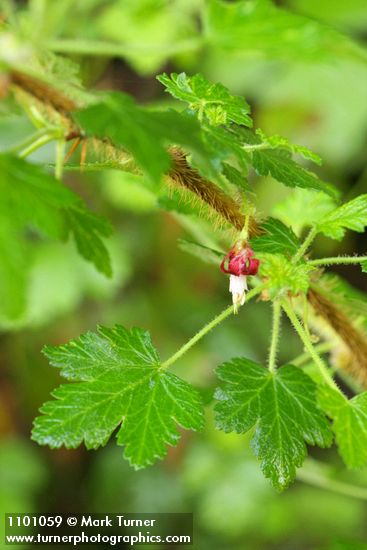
[240, 261]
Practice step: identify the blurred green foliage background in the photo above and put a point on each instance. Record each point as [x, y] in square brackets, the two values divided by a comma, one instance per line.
[302, 66]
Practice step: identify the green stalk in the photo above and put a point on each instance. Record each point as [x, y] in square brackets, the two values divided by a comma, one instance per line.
[207, 328]
[244, 232]
[40, 142]
[277, 312]
[60, 155]
[339, 260]
[27, 141]
[305, 357]
[305, 245]
[319, 480]
[111, 49]
[309, 346]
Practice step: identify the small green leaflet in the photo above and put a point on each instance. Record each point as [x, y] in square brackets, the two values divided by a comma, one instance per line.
[117, 380]
[281, 406]
[284, 276]
[279, 165]
[349, 424]
[278, 239]
[144, 133]
[280, 142]
[351, 215]
[31, 197]
[212, 100]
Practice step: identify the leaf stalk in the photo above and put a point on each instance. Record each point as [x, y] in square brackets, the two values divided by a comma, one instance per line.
[305, 245]
[37, 144]
[207, 328]
[309, 346]
[317, 479]
[277, 312]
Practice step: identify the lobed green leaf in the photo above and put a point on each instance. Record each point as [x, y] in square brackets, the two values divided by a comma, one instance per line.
[279, 165]
[32, 197]
[32, 200]
[349, 424]
[303, 208]
[278, 239]
[212, 100]
[117, 383]
[144, 133]
[351, 215]
[280, 406]
[280, 142]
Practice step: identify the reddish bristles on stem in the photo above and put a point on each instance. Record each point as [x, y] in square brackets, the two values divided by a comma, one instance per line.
[72, 149]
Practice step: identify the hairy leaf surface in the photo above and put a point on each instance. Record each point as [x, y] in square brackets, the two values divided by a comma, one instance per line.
[281, 407]
[351, 215]
[280, 142]
[281, 167]
[117, 383]
[212, 100]
[278, 238]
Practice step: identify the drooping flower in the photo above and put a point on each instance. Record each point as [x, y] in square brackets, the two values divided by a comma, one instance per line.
[239, 263]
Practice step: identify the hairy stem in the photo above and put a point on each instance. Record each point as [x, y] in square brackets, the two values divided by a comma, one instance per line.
[277, 312]
[342, 325]
[185, 176]
[339, 260]
[305, 245]
[309, 346]
[207, 328]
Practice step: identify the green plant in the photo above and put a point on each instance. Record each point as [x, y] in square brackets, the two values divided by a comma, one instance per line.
[207, 153]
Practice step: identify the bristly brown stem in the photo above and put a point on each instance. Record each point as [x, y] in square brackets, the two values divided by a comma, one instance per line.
[309, 346]
[185, 176]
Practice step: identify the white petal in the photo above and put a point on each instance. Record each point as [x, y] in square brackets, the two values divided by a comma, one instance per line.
[237, 284]
[238, 287]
